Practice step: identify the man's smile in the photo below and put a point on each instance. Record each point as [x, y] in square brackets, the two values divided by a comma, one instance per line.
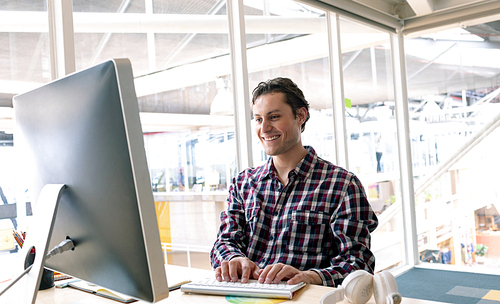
[271, 138]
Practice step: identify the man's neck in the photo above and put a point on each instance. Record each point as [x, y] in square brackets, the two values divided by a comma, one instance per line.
[286, 162]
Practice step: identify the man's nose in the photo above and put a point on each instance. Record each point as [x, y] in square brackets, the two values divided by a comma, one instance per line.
[265, 126]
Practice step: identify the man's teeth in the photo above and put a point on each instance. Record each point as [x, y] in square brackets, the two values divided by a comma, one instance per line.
[271, 138]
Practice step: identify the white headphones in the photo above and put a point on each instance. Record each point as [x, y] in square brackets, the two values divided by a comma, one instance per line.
[357, 288]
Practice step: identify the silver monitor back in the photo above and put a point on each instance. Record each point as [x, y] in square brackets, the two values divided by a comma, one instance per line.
[84, 131]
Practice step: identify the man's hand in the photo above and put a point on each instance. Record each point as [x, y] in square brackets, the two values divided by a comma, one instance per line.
[273, 274]
[237, 267]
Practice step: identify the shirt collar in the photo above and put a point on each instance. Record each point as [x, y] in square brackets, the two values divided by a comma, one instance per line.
[301, 169]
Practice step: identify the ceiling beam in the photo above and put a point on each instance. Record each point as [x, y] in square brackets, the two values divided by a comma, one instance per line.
[421, 7]
[36, 22]
[161, 122]
[460, 17]
[358, 12]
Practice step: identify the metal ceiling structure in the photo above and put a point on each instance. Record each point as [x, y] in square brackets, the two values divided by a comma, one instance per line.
[415, 16]
[95, 28]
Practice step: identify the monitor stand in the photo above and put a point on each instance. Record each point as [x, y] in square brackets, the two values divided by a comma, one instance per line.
[23, 290]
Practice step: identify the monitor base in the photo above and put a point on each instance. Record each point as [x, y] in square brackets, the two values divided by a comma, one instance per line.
[23, 290]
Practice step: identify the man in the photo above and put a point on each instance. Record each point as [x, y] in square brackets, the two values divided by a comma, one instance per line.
[298, 217]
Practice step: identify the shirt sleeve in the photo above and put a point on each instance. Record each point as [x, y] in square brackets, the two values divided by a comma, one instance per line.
[351, 225]
[231, 239]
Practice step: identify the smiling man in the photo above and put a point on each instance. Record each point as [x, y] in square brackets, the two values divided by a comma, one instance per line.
[298, 217]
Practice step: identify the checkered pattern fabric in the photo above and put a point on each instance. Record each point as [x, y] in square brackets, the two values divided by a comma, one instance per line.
[320, 221]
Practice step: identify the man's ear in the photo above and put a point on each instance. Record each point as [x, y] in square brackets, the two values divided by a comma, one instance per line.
[301, 115]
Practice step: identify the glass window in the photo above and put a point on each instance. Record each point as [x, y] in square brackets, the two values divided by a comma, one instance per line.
[453, 90]
[287, 48]
[24, 65]
[106, 40]
[371, 133]
[180, 58]
[186, 103]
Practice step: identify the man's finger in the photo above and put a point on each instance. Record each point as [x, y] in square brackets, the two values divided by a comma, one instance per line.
[234, 265]
[225, 271]
[245, 272]
[286, 271]
[266, 276]
[273, 272]
[218, 274]
[256, 272]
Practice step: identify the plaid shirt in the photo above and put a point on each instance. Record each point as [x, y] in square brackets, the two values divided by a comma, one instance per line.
[320, 221]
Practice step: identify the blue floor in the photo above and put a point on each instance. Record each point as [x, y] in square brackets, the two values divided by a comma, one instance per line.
[450, 286]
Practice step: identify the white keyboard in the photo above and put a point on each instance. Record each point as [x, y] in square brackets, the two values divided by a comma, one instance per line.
[251, 289]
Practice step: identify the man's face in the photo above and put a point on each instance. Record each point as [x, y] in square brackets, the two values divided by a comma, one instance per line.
[275, 125]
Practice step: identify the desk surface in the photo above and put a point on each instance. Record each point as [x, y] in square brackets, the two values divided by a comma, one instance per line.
[307, 295]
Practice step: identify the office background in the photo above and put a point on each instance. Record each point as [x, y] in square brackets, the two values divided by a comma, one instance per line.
[403, 93]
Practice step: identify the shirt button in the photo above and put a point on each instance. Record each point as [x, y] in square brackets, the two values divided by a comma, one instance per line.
[276, 213]
[271, 238]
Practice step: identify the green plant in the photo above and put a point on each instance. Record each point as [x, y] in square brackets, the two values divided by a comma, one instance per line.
[391, 200]
[481, 249]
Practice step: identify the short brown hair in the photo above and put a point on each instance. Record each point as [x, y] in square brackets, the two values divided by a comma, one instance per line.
[293, 95]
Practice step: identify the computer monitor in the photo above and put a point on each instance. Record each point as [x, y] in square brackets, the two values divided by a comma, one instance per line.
[84, 131]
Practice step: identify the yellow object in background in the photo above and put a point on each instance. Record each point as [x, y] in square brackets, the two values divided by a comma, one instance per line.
[163, 218]
[6, 240]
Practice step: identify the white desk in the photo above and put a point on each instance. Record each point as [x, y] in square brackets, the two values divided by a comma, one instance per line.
[309, 294]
